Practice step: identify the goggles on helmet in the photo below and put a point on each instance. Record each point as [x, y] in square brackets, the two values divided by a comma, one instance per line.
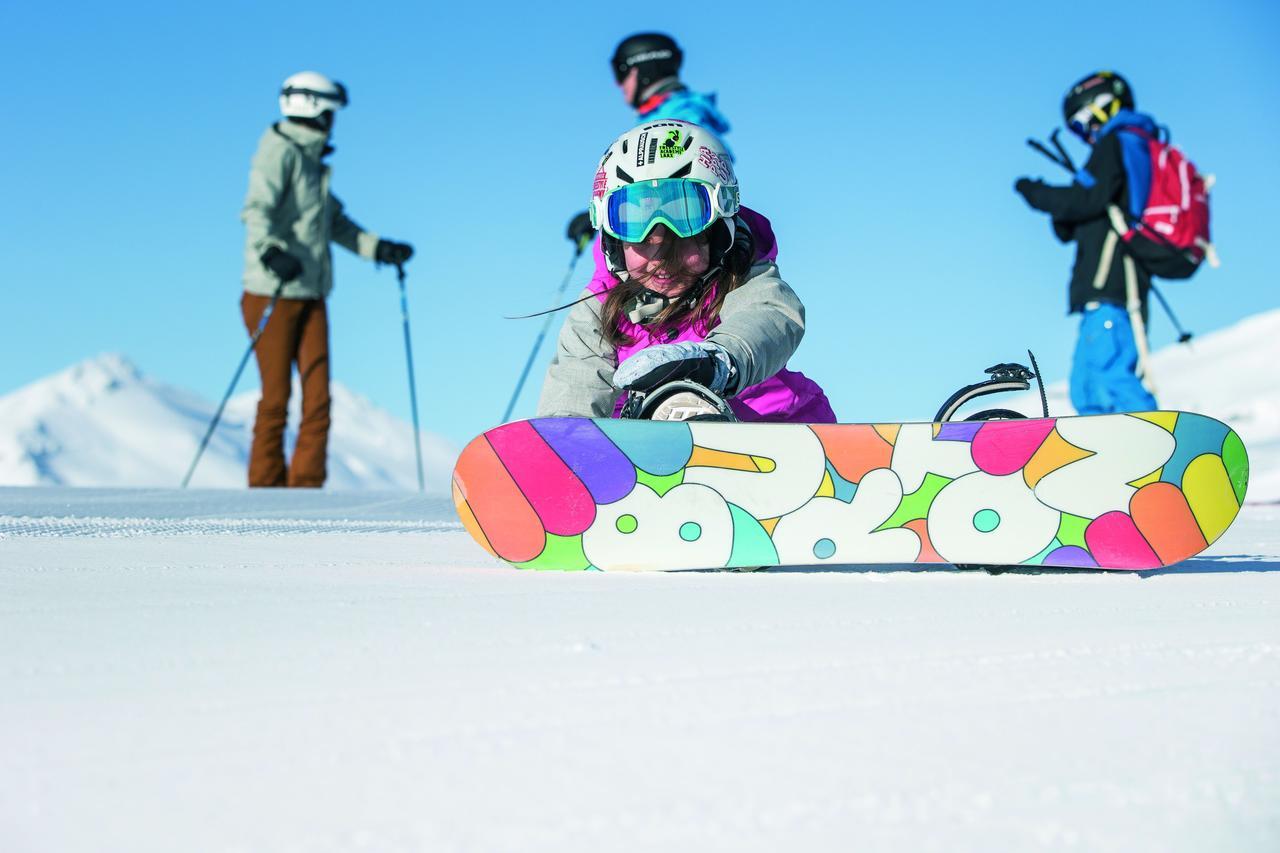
[684, 205]
[1095, 113]
[338, 96]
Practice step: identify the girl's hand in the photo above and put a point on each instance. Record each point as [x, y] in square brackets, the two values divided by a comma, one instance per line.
[705, 363]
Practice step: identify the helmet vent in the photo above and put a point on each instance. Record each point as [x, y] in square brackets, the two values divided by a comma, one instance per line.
[684, 170]
[623, 176]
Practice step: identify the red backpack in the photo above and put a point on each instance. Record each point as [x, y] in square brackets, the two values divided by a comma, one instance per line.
[1172, 237]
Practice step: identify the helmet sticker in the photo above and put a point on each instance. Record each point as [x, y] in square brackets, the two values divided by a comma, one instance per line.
[640, 147]
[600, 185]
[648, 56]
[671, 145]
[717, 163]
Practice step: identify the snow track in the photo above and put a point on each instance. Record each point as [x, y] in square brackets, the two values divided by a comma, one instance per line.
[114, 513]
[117, 527]
[176, 679]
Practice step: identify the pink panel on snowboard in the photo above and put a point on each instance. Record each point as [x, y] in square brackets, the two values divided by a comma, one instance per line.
[555, 493]
[1002, 447]
[1116, 543]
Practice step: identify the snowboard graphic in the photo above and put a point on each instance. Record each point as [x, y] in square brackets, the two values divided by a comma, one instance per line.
[1128, 491]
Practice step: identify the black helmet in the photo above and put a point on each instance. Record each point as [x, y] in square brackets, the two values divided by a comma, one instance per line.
[1102, 94]
[656, 55]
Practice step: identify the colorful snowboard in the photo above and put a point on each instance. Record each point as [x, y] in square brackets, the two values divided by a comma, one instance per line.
[1134, 491]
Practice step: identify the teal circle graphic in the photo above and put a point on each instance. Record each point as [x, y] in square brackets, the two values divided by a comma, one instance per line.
[986, 520]
[824, 548]
[690, 531]
[627, 524]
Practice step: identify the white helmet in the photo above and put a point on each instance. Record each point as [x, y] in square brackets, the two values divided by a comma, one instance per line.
[668, 172]
[307, 94]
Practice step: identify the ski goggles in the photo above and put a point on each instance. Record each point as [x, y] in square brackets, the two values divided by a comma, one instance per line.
[338, 96]
[684, 205]
[1082, 122]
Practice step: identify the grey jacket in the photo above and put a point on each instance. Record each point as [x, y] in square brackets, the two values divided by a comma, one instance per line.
[289, 206]
[761, 324]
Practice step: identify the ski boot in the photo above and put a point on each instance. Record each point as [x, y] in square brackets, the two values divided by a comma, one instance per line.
[681, 400]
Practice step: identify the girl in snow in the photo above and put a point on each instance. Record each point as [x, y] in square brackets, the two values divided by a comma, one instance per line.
[686, 288]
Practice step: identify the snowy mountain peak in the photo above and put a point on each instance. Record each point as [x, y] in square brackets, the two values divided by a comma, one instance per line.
[88, 380]
[107, 371]
[102, 422]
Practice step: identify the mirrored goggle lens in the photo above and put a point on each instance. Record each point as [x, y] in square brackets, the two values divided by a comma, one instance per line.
[683, 206]
[1080, 123]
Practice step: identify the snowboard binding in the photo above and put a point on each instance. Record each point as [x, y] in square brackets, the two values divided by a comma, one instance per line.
[1003, 377]
[680, 400]
[1009, 376]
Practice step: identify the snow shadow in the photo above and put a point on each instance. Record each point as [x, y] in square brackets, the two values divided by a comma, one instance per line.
[1221, 564]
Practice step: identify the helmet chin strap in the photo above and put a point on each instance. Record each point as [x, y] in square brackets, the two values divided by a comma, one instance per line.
[649, 303]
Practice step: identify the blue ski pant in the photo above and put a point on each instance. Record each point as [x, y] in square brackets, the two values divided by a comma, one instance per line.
[1102, 371]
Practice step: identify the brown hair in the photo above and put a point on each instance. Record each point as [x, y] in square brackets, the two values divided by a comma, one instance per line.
[692, 306]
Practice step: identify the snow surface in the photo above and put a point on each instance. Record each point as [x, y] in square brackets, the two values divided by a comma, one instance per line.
[101, 422]
[327, 671]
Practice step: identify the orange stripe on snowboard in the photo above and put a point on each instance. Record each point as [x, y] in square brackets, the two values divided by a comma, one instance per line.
[854, 449]
[498, 506]
[920, 527]
[1161, 512]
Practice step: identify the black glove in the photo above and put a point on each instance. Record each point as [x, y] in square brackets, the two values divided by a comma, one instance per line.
[580, 230]
[391, 252]
[1030, 190]
[284, 265]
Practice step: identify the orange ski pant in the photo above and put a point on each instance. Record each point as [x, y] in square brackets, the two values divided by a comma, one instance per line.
[296, 334]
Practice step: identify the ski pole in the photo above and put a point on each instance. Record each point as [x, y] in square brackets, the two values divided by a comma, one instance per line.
[580, 243]
[1040, 146]
[217, 416]
[1062, 152]
[413, 387]
[1065, 162]
[1183, 334]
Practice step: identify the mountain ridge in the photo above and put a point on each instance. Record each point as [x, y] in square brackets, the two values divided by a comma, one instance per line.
[103, 422]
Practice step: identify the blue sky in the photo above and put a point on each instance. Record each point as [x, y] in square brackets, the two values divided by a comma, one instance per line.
[882, 142]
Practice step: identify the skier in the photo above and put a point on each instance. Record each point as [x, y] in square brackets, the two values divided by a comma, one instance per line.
[1108, 287]
[686, 288]
[646, 67]
[290, 217]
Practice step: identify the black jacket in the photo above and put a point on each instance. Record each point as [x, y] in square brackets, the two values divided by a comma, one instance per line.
[1080, 214]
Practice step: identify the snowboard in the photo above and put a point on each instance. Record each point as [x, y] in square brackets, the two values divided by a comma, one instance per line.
[1126, 491]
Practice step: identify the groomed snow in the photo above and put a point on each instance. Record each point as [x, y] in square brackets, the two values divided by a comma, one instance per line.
[232, 671]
